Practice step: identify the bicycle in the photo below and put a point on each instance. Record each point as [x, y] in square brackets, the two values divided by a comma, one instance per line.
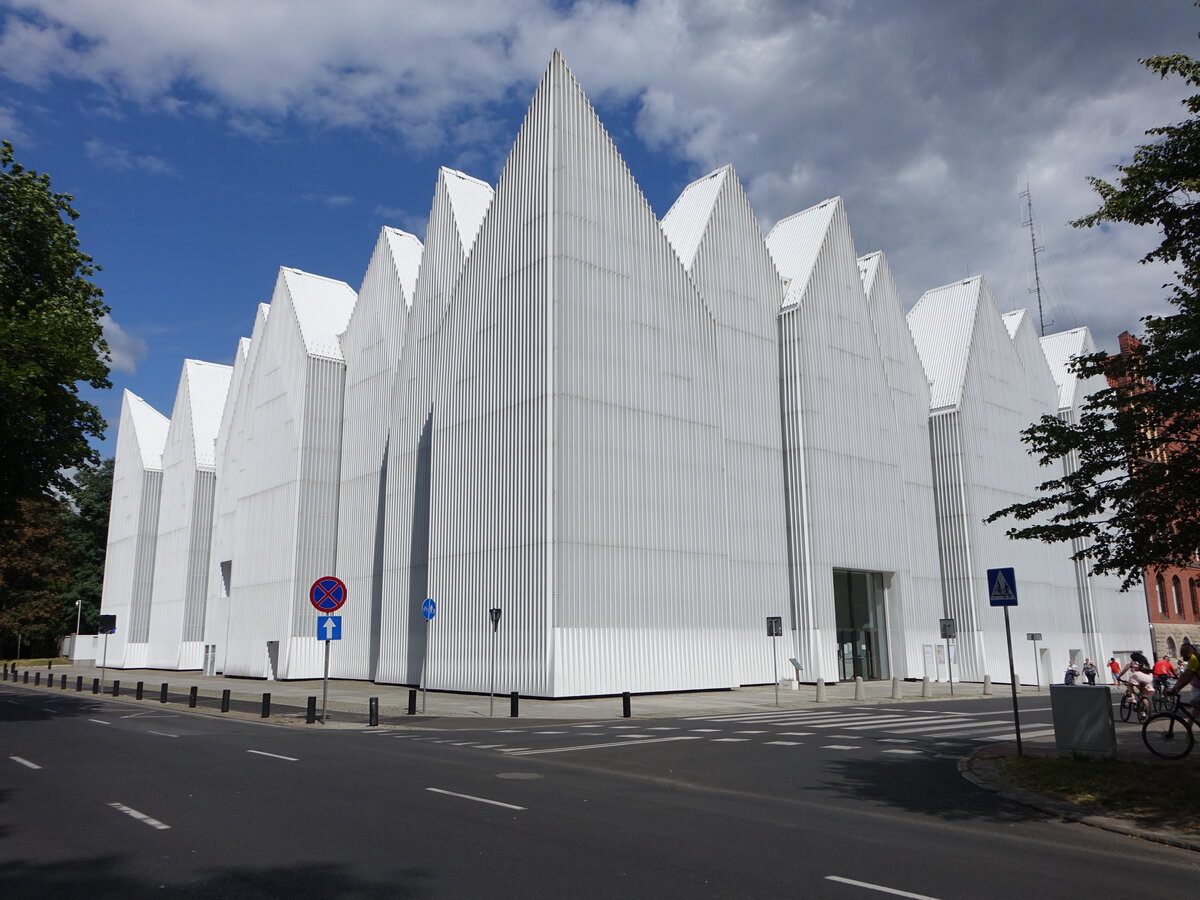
[1131, 702]
[1169, 735]
[1162, 703]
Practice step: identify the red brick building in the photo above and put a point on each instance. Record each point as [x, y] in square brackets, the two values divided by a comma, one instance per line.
[1173, 593]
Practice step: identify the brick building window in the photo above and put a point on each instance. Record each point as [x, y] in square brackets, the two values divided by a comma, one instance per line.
[1162, 595]
[1178, 592]
[1195, 599]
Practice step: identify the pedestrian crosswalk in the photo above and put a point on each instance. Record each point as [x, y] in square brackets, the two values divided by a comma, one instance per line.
[902, 732]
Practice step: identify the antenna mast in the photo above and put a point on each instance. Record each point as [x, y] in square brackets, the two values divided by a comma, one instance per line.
[1037, 281]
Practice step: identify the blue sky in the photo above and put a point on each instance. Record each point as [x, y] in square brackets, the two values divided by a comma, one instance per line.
[209, 142]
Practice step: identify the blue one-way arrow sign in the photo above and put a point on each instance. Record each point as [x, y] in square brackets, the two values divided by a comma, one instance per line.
[329, 628]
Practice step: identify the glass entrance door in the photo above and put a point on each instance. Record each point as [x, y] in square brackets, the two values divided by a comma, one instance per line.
[858, 599]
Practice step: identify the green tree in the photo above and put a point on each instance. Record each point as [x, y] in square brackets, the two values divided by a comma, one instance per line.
[85, 526]
[1131, 493]
[51, 339]
[35, 570]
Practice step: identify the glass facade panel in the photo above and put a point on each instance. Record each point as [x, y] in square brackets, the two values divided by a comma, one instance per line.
[858, 599]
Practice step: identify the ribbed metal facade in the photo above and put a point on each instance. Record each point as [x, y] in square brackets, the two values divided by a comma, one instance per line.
[635, 438]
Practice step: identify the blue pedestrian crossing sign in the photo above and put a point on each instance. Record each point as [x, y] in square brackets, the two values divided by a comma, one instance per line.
[428, 608]
[1002, 587]
[329, 628]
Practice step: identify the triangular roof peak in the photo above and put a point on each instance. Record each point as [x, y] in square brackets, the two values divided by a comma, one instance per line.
[943, 323]
[323, 307]
[149, 429]
[795, 243]
[207, 388]
[689, 215]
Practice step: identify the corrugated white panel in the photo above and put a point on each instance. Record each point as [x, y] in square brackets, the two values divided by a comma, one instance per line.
[288, 428]
[459, 205]
[133, 528]
[941, 323]
[686, 220]
[185, 518]
[372, 345]
[915, 597]
[1060, 349]
[845, 480]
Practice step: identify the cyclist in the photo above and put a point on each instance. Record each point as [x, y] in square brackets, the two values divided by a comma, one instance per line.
[1191, 675]
[1163, 672]
[1140, 679]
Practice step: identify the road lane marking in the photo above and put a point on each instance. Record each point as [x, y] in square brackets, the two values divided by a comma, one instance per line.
[879, 887]
[729, 740]
[896, 741]
[25, 762]
[476, 799]
[749, 732]
[901, 750]
[785, 743]
[840, 747]
[99, 721]
[141, 817]
[705, 729]
[163, 734]
[274, 755]
[950, 727]
[796, 733]
[640, 743]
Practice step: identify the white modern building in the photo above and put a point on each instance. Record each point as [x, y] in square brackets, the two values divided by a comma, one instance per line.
[637, 439]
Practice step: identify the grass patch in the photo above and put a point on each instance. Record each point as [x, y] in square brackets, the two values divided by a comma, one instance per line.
[1155, 795]
[38, 662]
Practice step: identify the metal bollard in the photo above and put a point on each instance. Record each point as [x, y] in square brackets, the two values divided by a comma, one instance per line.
[859, 692]
[820, 697]
[62, 681]
[162, 693]
[512, 705]
[412, 702]
[49, 664]
[225, 700]
[78, 683]
[37, 679]
[987, 685]
[897, 691]
[6, 671]
[26, 679]
[140, 690]
[311, 714]
[625, 711]
[266, 706]
[192, 697]
[116, 688]
[50, 680]
[372, 711]
[95, 685]
[926, 691]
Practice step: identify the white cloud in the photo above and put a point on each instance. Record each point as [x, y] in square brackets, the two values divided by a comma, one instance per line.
[124, 349]
[333, 201]
[120, 159]
[10, 126]
[926, 116]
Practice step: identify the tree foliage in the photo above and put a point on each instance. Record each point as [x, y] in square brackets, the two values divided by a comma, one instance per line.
[35, 570]
[1130, 498]
[85, 527]
[51, 339]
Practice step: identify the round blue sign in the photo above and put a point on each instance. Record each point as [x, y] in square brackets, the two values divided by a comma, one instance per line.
[428, 608]
[328, 594]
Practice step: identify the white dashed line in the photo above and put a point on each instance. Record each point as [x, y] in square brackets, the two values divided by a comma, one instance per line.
[900, 750]
[749, 732]
[273, 755]
[840, 747]
[785, 743]
[141, 817]
[635, 743]
[879, 887]
[25, 762]
[712, 730]
[162, 734]
[99, 721]
[728, 740]
[476, 799]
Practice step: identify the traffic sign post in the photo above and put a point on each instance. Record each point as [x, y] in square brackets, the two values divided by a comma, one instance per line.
[1035, 636]
[428, 611]
[108, 625]
[774, 631]
[949, 633]
[1002, 591]
[494, 617]
[327, 594]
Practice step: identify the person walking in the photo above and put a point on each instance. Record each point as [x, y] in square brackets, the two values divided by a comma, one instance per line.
[1072, 672]
[1089, 672]
[1115, 668]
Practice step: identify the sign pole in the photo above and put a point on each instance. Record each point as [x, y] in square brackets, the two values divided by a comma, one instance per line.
[103, 662]
[494, 616]
[1012, 677]
[949, 668]
[1037, 669]
[775, 662]
[425, 666]
[325, 686]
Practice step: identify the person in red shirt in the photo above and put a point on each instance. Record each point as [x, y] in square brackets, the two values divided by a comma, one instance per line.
[1163, 669]
[1115, 668]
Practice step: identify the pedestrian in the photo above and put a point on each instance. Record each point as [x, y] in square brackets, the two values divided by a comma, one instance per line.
[1115, 668]
[1163, 671]
[1089, 672]
[1072, 672]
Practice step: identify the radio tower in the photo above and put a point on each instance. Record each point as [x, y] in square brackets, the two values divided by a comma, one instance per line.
[1037, 281]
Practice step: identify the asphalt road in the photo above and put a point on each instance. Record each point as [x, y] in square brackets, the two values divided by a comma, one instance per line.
[102, 798]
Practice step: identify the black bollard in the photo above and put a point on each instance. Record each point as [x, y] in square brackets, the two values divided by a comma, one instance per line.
[95, 685]
[78, 683]
[6, 671]
[140, 690]
[37, 678]
[266, 710]
[373, 711]
[512, 705]
[116, 688]
[162, 694]
[625, 705]
[50, 680]
[26, 679]
[412, 701]
[225, 700]
[49, 664]
[311, 714]
[62, 681]
[192, 698]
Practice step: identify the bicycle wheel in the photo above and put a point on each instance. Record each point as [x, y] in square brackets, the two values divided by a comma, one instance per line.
[1143, 710]
[1126, 708]
[1167, 735]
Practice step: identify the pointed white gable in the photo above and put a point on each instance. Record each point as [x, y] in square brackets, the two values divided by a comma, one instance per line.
[796, 242]
[469, 199]
[689, 215]
[323, 307]
[149, 429]
[208, 386]
[943, 324]
[1062, 347]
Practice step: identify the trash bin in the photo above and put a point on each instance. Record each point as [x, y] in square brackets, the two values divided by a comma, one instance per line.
[1083, 720]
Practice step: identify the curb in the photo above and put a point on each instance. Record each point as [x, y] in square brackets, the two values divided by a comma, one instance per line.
[985, 774]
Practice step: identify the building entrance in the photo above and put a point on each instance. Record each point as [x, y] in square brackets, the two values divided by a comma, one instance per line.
[858, 599]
